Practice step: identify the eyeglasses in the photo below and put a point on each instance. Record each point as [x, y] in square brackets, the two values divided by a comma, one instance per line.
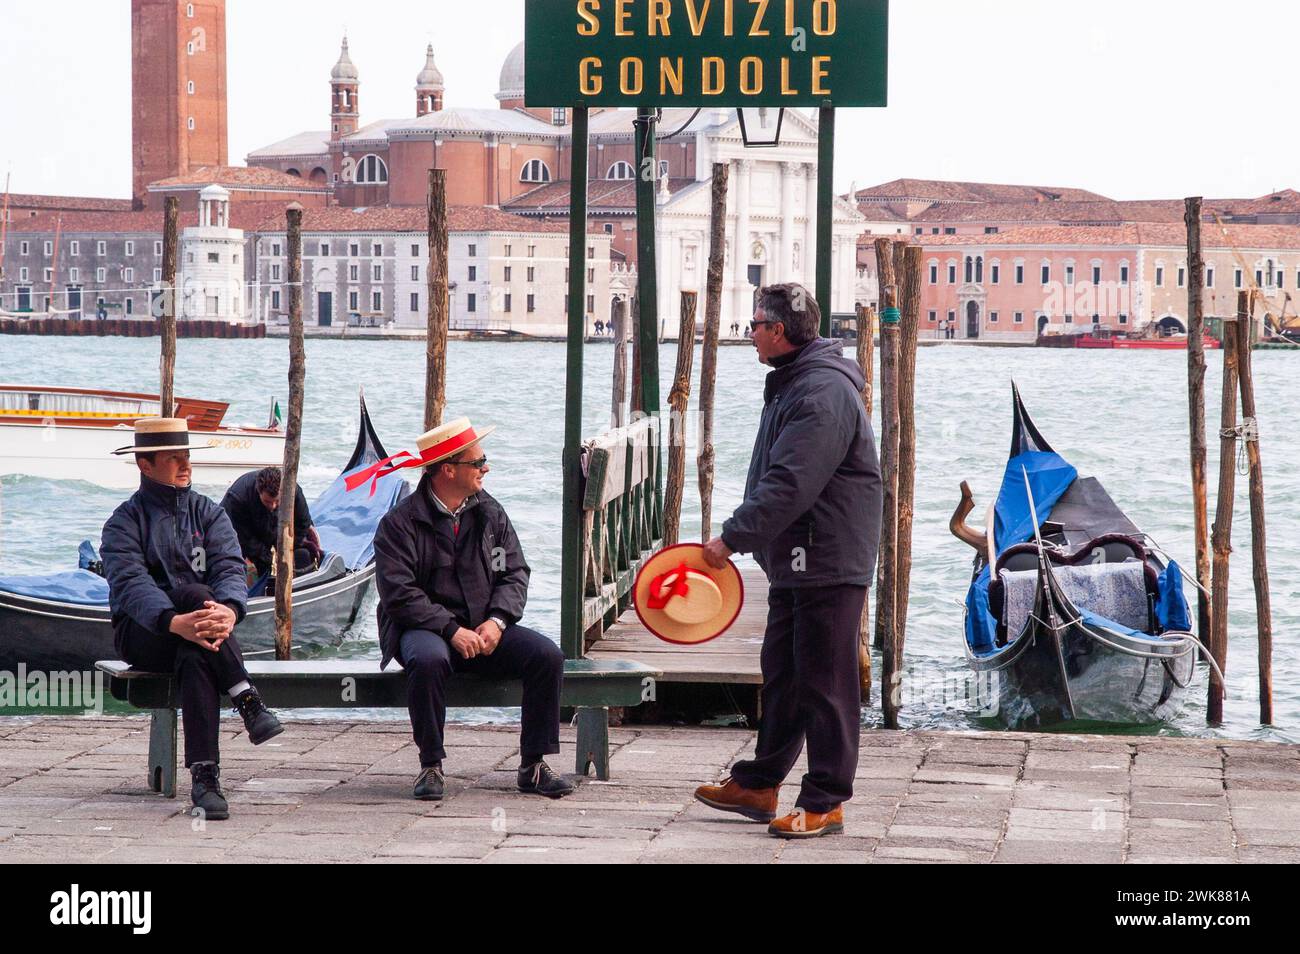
[754, 323]
[477, 464]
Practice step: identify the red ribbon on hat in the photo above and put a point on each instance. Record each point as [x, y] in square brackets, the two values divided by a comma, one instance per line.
[657, 598]
[387, 466]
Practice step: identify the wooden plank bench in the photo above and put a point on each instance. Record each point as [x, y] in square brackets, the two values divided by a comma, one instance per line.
[590, 687]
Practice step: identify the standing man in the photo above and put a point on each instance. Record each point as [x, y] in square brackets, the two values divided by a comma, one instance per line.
[176, 591]
[811, 517]
[452, 586]
[253, 503]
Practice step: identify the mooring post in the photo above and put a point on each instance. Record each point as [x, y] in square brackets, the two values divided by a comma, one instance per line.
[866, 361]
[887, 597]
[678, 400]
[888, 299]
[647, 175]
[439, 305]
[618, 398]
[167, 320]
[1196, 409]
[908, 277]
[704, 461]
[292, 440]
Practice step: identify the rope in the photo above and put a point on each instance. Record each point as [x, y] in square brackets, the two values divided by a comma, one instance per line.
[1246, 431]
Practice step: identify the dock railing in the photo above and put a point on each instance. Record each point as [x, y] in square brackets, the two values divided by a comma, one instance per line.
[622, 519]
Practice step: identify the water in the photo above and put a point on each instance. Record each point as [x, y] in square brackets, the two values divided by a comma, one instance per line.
[1121, 416]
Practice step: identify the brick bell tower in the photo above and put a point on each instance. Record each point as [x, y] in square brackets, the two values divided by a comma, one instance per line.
[345, 112]
[428, 86]
[178, 89]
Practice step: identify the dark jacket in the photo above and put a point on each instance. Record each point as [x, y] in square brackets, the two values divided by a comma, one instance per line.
[811, 513]
[427, 581]
[257, 527]
[163, 537]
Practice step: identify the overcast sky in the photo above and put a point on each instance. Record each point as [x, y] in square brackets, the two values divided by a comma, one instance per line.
[1129, 98]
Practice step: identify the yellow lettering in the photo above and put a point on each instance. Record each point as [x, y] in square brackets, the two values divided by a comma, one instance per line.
[621, 13]
[697, 18]
[589, 85]
[756, 28]
[786, 89]
[819, 71]
[629, 69]
[659, 11]
[751, 76]
[824, 17]
[789, 17]
[669, 78]
[586, 10]
[713, 81]
[728, 17]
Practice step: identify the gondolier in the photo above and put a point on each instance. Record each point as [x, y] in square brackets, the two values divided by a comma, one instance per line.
[811, 517]
[452, 585]
[252, 503]
[176, 591]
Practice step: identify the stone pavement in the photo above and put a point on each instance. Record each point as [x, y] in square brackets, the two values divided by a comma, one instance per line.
[73, 790]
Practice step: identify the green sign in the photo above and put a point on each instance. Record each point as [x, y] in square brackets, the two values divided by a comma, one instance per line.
[706, 52]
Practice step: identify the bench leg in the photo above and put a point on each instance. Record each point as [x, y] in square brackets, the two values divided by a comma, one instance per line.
[162, 751]
[593, 741]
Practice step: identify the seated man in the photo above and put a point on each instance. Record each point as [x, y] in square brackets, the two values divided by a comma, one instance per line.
[176, 591]
[253, 502]
[452, 583]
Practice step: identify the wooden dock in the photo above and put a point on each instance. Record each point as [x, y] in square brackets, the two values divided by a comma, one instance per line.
[705, 679]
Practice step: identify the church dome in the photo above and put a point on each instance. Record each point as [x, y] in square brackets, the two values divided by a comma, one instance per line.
[512, 75]
[430, 77]
[344, 70]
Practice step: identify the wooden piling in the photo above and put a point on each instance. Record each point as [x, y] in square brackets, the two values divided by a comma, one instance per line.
[167, 320]
[887, 594]
[907, 272]
[888, 299]
[636, 406]
[618, 399]
[1258, 541]
[292, 441]
[1222, 535]
[1196, 408]
[678, 400]
[704, 460]
[866, 361]
[439, 311]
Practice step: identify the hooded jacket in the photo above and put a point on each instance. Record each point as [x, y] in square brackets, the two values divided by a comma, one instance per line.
[163, 537]
[257, 527]
[812, 507]
[437, 574]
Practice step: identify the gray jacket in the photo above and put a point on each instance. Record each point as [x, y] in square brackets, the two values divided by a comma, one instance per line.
[811, 514]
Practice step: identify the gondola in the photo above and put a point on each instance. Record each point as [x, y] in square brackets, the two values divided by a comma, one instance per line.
[60, 621]
[1073, 616]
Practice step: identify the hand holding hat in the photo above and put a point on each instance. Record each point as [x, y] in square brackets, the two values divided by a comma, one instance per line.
[682, 599]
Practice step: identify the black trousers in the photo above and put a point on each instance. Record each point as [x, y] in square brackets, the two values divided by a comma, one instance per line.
[810, 690]
[204, 676]
[522, 653]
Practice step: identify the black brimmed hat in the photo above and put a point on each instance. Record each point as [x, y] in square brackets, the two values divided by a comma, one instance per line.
[160, 434]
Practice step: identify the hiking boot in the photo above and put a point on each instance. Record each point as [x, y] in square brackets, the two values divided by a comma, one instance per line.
[260, 721]
[756, 804]
[805, 824]
[205, 792]
[540, 779]
[429, 785]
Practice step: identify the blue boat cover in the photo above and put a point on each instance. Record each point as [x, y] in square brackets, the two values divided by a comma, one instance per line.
[346, 522]
[1171, 607]
[71, 586]
[1049, 477]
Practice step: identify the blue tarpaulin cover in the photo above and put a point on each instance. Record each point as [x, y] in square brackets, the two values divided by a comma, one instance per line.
[71, 586]
[1171, 608]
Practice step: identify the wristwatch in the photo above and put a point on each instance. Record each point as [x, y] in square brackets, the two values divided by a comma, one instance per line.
[501, 624]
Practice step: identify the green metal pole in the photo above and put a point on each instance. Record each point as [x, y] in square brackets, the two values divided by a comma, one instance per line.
[647, 169]
[571, 516]
[825, 210]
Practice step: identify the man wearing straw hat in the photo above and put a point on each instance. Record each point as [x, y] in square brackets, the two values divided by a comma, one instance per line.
[176, 590]
[811, 517]
[452, 586]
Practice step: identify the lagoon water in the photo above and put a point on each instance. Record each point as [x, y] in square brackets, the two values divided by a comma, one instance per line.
[1121, 416]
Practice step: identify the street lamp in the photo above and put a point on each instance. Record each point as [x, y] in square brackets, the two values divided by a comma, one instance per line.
[761, 125]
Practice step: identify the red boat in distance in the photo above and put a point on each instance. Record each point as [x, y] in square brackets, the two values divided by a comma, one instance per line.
[1170, 343]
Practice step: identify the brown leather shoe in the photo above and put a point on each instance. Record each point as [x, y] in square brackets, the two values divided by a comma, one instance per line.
[803, 824]
[756, 804]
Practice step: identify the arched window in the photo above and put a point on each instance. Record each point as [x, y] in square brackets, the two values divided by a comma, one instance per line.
[372, 171]
[621, 170]
[535, 171]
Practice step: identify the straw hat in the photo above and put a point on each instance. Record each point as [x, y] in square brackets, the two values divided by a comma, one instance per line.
[681, 599]
[433, 447]
[161, 434]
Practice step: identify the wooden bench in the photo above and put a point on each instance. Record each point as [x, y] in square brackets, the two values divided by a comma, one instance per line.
[590, 687]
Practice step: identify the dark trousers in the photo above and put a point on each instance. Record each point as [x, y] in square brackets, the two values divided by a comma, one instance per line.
[204, 676]
[810, 690]
[522, 653]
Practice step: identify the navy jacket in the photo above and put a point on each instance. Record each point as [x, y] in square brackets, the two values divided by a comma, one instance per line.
[257, 527]
[163, 537]
[812, 507]
[429, 578]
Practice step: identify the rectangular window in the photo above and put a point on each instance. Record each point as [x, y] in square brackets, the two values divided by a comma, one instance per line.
[949, 230]
[1047, 274]
[1096, 274]
[157, 248]
[1182, 276]
[1123, 274]
[995, 272]
[1280, 278]
[473, 250]
[530, 303]
[324, 248]
[275, 300]
[415, 301]
[531, 273]
[920, 231]
[415, 251]
[275, 273]
[101, 248]
[532, 251]
[214, 258]
[354, 272]
[934, 316]
[377, 301]
[1020, 318]
[1069, 274]
[1259, 278]
[128, 275]
[473, 273]
[952, 316]
[22, 274]
[993, 317]
[1209, 276]
[376, 250]
[591, 251]
[74, 274]
[471, 302]
[1160, 276]
[1123, 319]
[1096, 319]
[99, 275]
[952, 274]
[507, 273]
[130, 305]
[934, 274]
[507, 302]
[74, 247]
[990, 230]
[49, 274]
[1020, 274]
[377, 272]
[354, 300]
[275, 249]
[591, 275]
[353, 250]
[1236, 278]
[591, 304]
[157, 274]
[1069, 319]
[24, 248]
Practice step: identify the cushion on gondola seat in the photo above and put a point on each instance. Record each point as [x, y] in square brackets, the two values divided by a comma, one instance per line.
[1117, 591]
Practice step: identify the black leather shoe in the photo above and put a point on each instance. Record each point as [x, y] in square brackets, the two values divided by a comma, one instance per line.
[539, 779]
[205, 792]
[430, 784]
[260, 721]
